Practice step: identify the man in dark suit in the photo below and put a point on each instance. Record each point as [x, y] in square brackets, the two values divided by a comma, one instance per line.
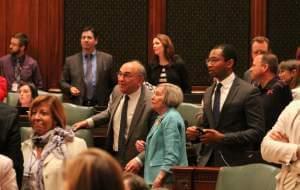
[88, 76]
[275, 94]
[10, 138]
[233, 121]
[139, 116]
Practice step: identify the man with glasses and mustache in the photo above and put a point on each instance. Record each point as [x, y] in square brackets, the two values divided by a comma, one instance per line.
[129, 114]
[233, 121]
[18, 66]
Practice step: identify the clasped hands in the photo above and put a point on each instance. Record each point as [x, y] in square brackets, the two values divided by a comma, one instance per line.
[207, 136]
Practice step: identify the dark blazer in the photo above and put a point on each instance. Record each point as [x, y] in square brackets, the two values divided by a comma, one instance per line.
[241, 120]
[140, 124]
[176, 73]
[73, 75]
[10, 138]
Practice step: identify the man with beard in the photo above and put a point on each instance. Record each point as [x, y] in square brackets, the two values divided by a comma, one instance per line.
[19, 67]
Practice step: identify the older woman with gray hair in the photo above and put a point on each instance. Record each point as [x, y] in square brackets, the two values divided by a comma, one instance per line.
[165, 143]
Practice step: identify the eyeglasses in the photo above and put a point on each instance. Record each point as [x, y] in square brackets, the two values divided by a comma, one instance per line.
[212, 60]
[126, 75]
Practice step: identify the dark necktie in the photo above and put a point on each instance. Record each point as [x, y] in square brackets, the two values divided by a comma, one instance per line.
[89, 77]
[123, 127]
[216, 106]
[18, 70]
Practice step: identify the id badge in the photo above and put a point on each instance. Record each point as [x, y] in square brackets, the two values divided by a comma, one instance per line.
[14, 87]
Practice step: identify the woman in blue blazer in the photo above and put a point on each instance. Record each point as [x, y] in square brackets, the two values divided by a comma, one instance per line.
[165, 143]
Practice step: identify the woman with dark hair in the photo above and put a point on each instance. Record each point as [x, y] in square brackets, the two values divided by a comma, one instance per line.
[50, 144]
[27, 92]
[166, 66]
[93, 169]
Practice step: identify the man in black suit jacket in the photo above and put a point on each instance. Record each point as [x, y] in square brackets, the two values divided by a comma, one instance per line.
[10, 138]
[236, 125]
[76, 76]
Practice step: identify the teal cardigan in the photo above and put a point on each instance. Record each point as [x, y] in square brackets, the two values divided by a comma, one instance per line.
[165, 146]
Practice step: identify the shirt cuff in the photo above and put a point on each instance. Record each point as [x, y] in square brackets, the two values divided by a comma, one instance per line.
[139, 161]
[90, 122]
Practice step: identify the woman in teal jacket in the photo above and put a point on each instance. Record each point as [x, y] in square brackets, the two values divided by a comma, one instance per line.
[165, 143]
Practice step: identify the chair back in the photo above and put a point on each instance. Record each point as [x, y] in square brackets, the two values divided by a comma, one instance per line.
[247, 177]
[75, 113]
[191, 113]
[12, 98]
[58, 95]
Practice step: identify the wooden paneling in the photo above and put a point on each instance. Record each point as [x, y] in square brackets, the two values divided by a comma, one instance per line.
[42, 21]
[2, 27]
[156, 22]
[258, 17]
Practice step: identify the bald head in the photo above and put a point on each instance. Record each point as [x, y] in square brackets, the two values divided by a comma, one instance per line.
[131, 76]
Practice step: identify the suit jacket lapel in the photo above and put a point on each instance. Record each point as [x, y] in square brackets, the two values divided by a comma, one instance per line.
[209, 113]
[232, 93]
[137, 113]
[80, 67]
[99, 64]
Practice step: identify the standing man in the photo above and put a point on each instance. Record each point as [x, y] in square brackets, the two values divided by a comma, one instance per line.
[129, 114]
[259, 45]
[18, 66]
[233, 121]
[88, 76]
[275, 94]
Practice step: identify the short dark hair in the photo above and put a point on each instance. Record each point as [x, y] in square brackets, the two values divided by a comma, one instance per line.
[92, 29]
[271, 60]
[23, 38]
[229, 52]
[261, 39]
[32, 87]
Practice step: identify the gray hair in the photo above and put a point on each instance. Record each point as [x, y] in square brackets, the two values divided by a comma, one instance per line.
[289, 65]
[139, 66]
[173, 94]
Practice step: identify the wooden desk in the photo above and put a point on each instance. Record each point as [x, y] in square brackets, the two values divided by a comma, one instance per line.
[195, 178]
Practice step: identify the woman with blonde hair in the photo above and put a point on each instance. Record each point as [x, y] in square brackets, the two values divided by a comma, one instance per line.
[93, 169]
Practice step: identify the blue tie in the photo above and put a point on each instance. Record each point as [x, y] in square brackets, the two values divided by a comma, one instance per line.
[89, 77]
[123, 127]
[216, 106]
